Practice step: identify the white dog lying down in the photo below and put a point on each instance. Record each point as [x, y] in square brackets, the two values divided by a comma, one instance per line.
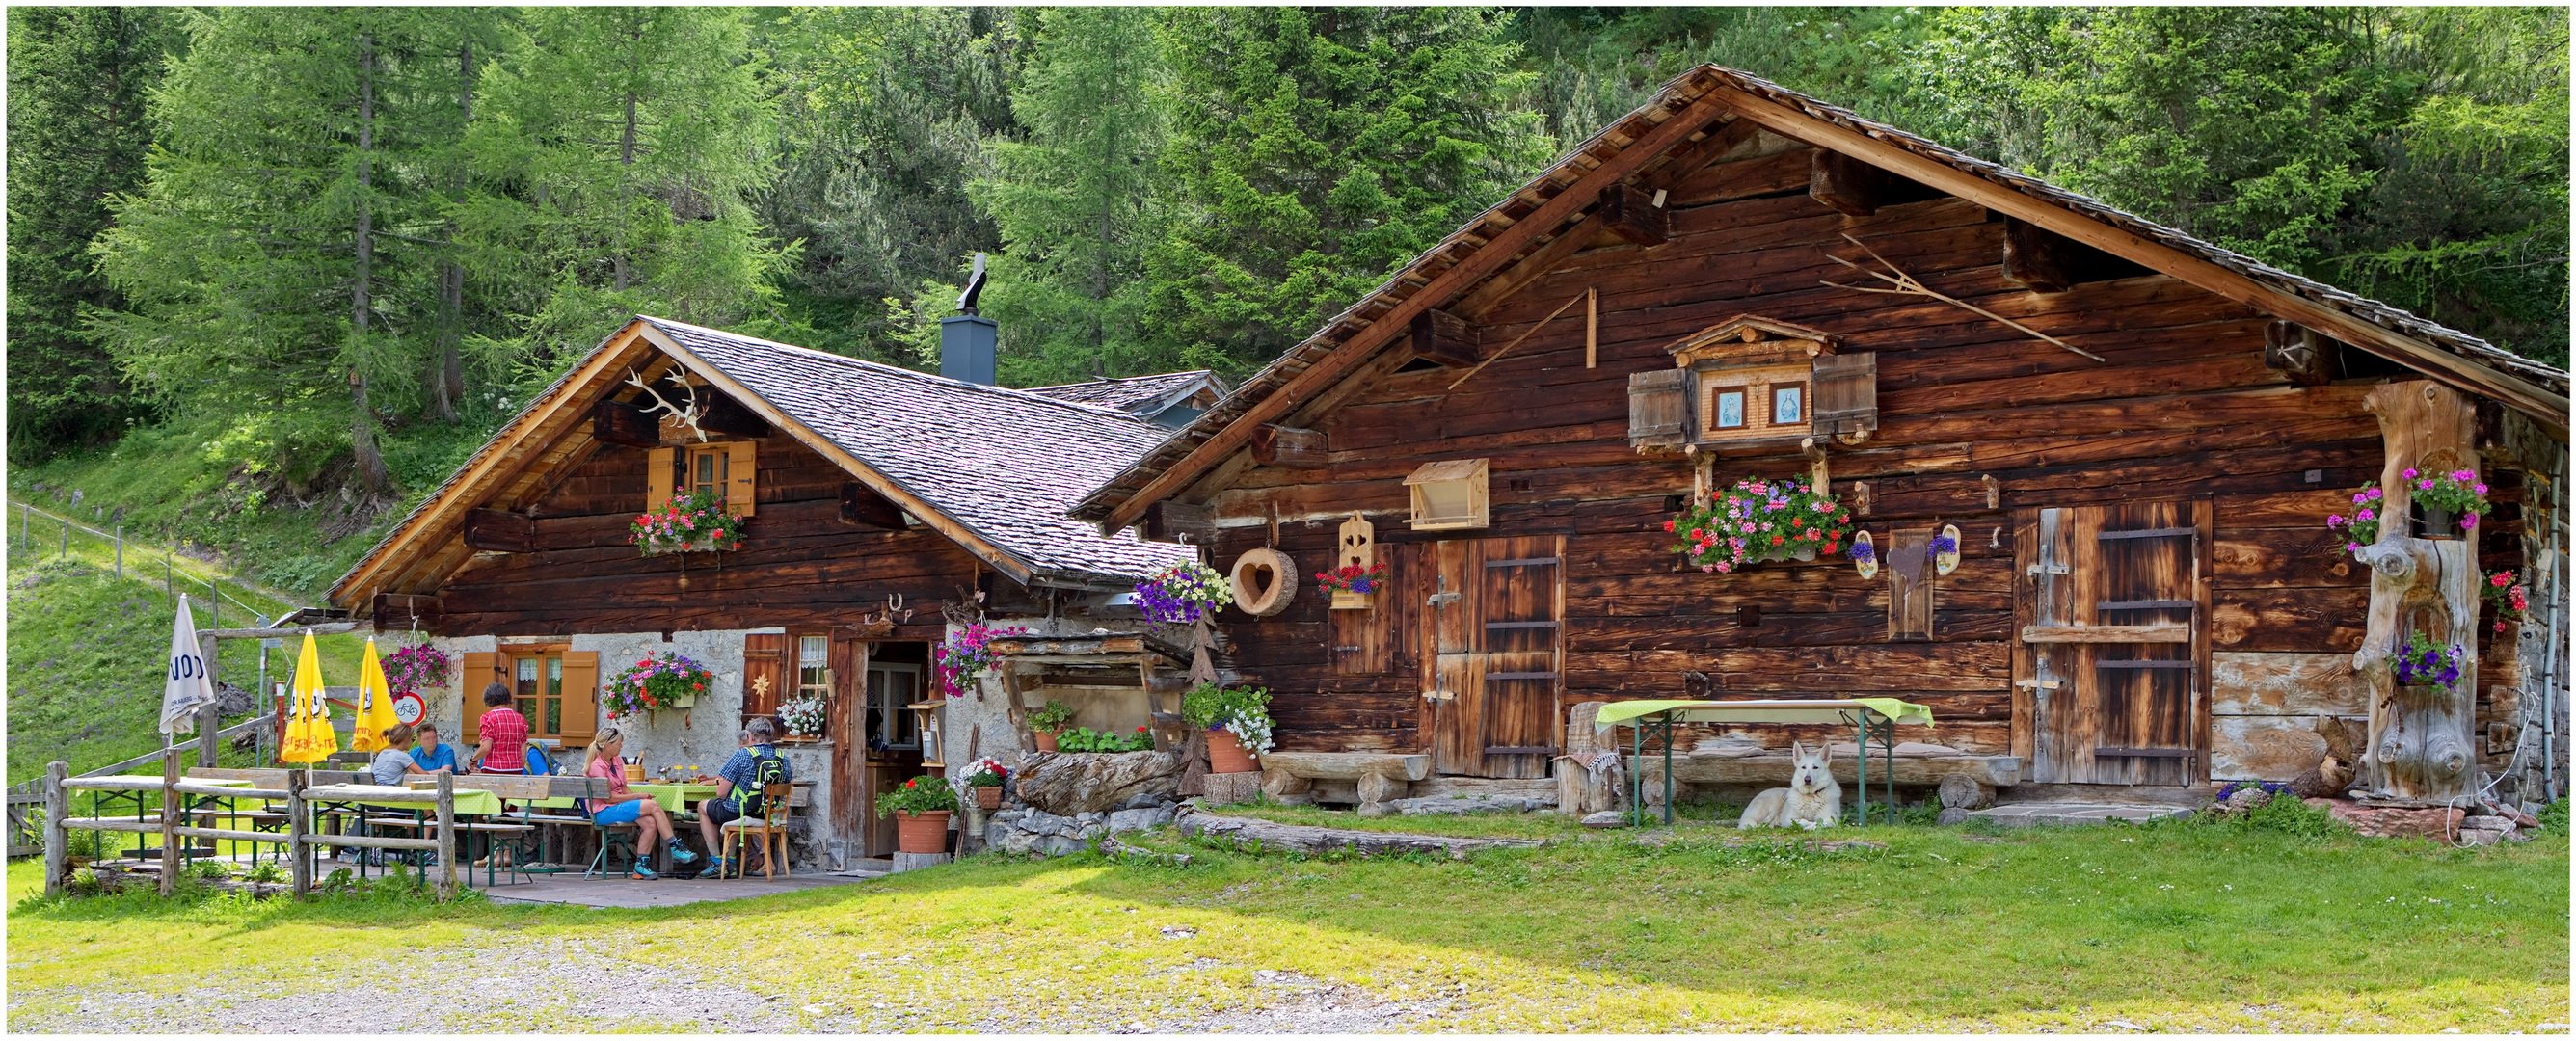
[1812, 800]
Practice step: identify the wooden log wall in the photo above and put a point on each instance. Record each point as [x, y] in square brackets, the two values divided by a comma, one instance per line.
[801, 564]
[2183, 407]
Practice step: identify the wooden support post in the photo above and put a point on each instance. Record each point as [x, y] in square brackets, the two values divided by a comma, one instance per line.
[169, 820]
[299, 833]
[58, 808]
[1592, 328]
[2422, 739]
[209, 716]
[446, 836]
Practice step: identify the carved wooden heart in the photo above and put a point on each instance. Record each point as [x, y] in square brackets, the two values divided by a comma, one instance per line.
[1262, 579]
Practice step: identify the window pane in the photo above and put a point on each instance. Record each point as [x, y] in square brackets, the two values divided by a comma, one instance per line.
[554, 677]
[526, 674]
[554, 715]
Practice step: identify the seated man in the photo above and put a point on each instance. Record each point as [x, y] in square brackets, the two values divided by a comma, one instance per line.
[739, 785]
[433, 756]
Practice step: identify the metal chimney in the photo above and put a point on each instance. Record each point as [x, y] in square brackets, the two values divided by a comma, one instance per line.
[967, 340]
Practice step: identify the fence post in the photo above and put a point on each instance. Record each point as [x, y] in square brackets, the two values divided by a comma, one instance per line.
[170, 820]
[215, 604]
[170, 580]
[58, 840]
[299, 835]
[446, 836]
[67, 537]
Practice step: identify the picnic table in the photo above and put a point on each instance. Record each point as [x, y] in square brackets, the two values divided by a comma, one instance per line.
[1870, 715]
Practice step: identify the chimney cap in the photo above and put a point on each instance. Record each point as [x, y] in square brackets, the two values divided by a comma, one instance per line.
[974, 286]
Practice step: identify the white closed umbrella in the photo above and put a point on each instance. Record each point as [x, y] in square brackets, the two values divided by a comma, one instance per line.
[189, 683]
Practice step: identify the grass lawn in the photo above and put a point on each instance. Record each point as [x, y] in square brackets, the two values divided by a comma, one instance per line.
[2172, 927]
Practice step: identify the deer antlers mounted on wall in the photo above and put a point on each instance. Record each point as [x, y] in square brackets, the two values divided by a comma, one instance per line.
[687, 416]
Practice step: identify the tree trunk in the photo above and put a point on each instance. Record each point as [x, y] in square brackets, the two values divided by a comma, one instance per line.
[447, 378]
[362, 422]
[625, 169]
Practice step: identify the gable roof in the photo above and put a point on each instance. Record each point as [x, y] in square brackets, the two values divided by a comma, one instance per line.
[989, 467]
[1142, 395]
[1712, 102]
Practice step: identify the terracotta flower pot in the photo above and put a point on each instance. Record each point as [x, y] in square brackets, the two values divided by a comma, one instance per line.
[921, 832]
[1046, 740]
[989, 798]
[1227, 755]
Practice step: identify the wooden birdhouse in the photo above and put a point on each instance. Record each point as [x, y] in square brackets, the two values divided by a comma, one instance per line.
[1449, 495]
[1753, 382]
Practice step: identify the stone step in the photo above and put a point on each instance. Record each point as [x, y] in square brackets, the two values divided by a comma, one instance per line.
[2029, 814]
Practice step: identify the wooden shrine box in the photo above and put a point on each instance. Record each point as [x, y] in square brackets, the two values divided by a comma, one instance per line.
[1449, 495]
[1752, 382]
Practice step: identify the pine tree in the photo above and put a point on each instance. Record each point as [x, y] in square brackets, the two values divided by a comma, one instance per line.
[78, 135]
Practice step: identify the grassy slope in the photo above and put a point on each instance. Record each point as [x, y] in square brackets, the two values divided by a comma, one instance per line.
[2171, 927]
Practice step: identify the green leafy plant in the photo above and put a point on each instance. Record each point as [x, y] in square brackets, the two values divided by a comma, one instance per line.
[928, 793]
[988, 773]
[270, 871]
[2458, 491]
[1051, 717]
[85, 882]
[210, 870]
[1085, 739]
[1241, 711]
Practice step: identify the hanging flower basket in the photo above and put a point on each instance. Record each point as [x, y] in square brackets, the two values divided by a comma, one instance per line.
[1182, 595]
[2362, 528]
[962, 658]
[692, 522]
[2446, 504]
[1756, 520]
[1352, 585]
[417, 669]
[662, 680]
[2508, 599]
[2423, 663]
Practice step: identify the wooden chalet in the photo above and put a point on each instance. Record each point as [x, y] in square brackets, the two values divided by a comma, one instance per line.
[2136, 436]
[884, 508]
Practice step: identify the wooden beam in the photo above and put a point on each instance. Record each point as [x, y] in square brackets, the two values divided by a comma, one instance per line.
[500, 531]
[396, 611]
[2297, 352]
[862, 507]
[618, 423]
[724, 415]
[1445, 338]
[1493, 256]
[1174, 521]
[1855, 188]
[2043, 261]
[2546, 407]
[1630, 213]
[1293, 447]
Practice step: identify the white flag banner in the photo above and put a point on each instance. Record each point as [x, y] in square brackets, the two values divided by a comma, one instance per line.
[189, 686]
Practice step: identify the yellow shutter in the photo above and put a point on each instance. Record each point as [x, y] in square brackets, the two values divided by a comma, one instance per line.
[580, 698]
[739, 489]
[479, 669]
[657, 479]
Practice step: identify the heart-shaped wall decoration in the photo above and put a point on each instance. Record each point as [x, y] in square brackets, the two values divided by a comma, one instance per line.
[1265, 581]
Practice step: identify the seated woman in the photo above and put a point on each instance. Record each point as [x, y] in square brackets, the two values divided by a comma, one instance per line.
[652, 823]
[433, 756]
[392, 763]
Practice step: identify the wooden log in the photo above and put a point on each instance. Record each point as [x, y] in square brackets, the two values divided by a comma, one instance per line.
[1299, 838]
[446, 836]
[1630, 213]
[187, 787]
[399, 611]
[1347, 766]
[2046, 262]
[2422, 739]
[499, 531]
[1966, 792]
[1376, 790]
[618, 423]
[58, 848]
[862, 507]
[372, 842]
[1224, 789]
[1283, 787]
[170, 848]
[1296, 448]
[144, 826]
[299, 853]
[721, 414]
[368, 792]
[1855, 188]
[112, 784]
[2106, 634]
[1774, 767]
[1175, 521]
[230, 834]
[1445, 338]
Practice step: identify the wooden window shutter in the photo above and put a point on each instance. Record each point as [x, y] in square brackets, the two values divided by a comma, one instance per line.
[658, 465]
[738, 473]
[580, 717]
[478, 669]
[765, 657]
[1659, 408]
[1846, 393]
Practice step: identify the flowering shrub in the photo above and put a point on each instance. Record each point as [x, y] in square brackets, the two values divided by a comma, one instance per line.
[2506, 597]
[924, 794]
[416, 668]
[2362, 528]
[696, 520]
[2458, 491]
[659, 681]
[964, 656]
[1241, 711]
[802, 717]
[2424, 663]
[987, 773]
[1352, 578]
[1756, 520]
[1085, 739]
[1184, 594]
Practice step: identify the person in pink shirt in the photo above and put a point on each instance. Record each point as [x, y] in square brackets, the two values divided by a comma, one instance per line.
[502, 744]
[652, 823]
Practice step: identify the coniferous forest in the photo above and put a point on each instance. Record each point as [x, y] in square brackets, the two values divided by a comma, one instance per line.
[329, 249]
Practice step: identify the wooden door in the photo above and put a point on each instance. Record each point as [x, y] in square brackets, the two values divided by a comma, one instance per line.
[1491, 626]
[2113, 642]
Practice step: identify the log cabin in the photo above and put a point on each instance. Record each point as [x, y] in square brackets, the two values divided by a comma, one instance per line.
[2133, 437]
[882, 510]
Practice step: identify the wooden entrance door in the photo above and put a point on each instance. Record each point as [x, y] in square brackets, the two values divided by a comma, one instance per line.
[1491, 638]
[2113, 647]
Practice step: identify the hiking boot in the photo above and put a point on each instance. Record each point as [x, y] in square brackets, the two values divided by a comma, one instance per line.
[642, 873]
[715, 868]
[682, 854]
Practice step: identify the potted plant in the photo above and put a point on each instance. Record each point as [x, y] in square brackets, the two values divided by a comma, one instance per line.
[1351, 585]
[1085, 739]
[1755, 520]
[416, 669]
[920, 809]
[962, 658]
[2507, 597]
[1048, 720]
[692, 521]
[2425, 664]
[2362, 528]
[1237, 720]
[802, 719]
[1183, 594]
[2446, 504]
[986, 777]
[663, 679]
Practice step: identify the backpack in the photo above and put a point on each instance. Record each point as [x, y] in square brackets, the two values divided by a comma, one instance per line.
[752, 797]
[538, 764]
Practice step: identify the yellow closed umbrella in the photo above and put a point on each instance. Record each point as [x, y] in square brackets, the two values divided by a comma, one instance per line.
[375, 704]
[308, 736]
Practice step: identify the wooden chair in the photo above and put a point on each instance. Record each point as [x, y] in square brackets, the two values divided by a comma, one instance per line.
[771, 824]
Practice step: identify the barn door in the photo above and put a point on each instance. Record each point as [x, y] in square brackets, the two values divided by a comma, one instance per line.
[2113, 631]
[1493, 612]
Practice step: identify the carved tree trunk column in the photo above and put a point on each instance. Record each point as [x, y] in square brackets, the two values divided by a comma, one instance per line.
[2420, 738]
